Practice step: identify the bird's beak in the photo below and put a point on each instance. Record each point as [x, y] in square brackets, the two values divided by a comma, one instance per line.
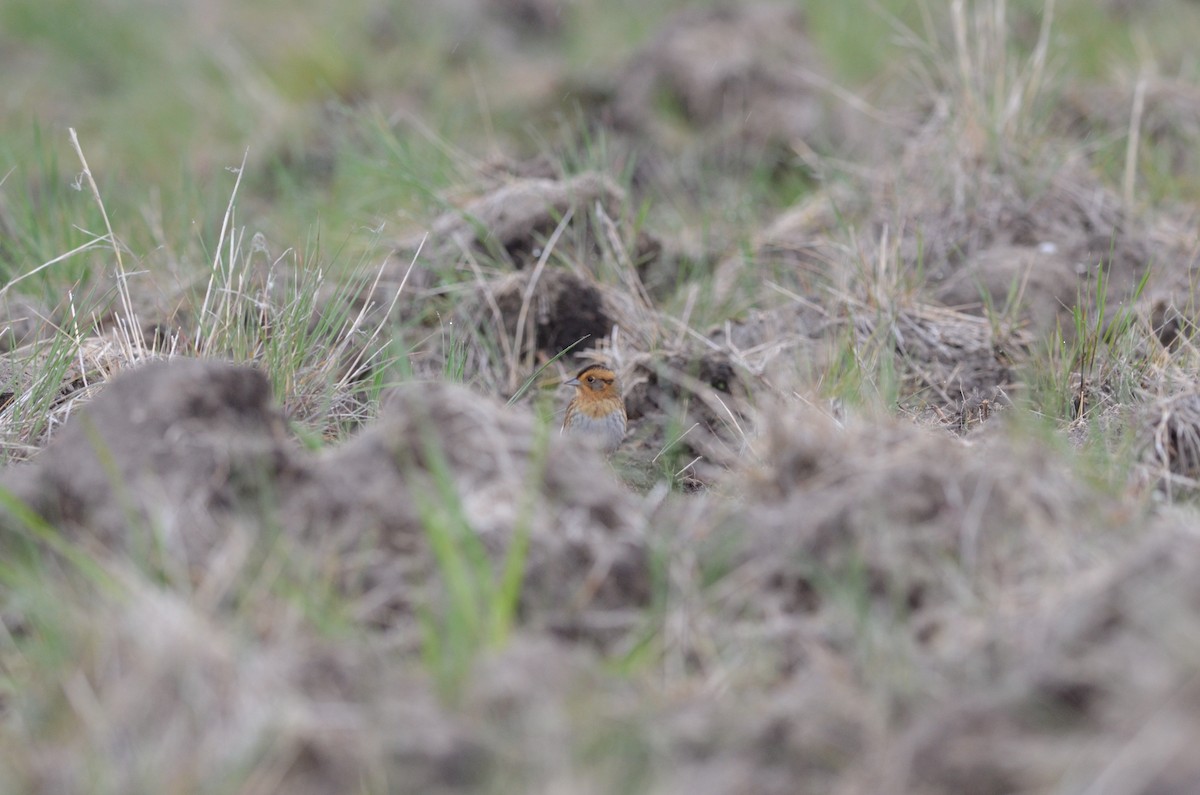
[572, 382]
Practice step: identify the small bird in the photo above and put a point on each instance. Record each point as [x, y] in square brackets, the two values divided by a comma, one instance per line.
[597, 411]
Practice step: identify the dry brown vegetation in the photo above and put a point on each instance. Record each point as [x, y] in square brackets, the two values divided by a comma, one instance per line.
[907, 502]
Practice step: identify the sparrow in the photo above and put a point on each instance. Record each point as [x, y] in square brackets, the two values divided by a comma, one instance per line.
[597, 411]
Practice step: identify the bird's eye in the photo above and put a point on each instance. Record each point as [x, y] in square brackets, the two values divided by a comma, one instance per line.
[591, 379]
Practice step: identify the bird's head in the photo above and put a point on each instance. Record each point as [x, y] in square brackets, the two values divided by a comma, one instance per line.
[595, 382]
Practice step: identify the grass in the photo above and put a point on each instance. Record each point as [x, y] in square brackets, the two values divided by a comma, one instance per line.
[480, 605]
[243, 183]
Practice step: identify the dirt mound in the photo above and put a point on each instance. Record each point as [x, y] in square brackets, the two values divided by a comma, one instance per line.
[883, 520]
[1170, 443]
[179, 691]
[160, 450]
[529, 317]
[804, 247]
[184, 455]
[654, 389]
[723, 67]
[187, 466]
[956, 367]
[438, 448]
[900, 517]
[557, 311]
[536, 17]
[985, 215]
[691, 405]
[589, 286]
[1100, 693]
[505, 29]
[779, 345]
[801, 735]
[511, 223]
[1038, 282]
[311, 711]
[761, 334]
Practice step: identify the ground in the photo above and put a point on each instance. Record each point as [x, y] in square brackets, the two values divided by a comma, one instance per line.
[902, 302]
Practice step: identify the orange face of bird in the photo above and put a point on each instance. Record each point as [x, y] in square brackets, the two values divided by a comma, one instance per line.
[595, 382]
